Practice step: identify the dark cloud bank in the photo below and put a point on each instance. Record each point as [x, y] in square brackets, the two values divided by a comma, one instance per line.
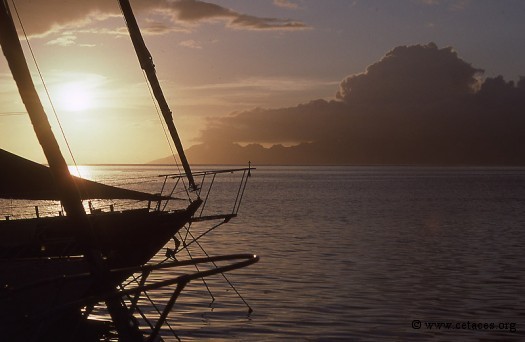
[418, 105]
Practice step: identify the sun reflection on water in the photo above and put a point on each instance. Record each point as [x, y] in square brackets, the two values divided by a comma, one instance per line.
[81, 171]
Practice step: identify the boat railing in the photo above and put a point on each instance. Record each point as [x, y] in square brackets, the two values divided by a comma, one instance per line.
[224, 186]
[212, 184]
[27, 209]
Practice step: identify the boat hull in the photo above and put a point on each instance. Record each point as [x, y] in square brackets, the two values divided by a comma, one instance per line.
[42, 269]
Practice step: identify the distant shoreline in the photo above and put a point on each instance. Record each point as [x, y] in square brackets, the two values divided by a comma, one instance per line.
[319, 165]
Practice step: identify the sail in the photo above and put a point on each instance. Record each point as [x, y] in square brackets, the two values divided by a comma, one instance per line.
[24, 179]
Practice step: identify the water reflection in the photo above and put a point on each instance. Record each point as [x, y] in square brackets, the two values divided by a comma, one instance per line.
[360, 253]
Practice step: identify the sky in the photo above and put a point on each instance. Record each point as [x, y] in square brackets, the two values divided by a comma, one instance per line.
[267, 72]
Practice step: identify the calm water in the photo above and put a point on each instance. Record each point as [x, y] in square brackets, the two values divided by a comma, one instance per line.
[364, 254]
[360, 253]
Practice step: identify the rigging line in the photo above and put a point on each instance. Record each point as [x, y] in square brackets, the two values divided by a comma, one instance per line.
[250, 310]
[45, 88]
[160, 119]
[186, 245]
[137, 307]
[191, 258]
[165, 133]
[197, 268]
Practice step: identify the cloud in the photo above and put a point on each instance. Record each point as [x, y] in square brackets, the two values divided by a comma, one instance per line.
[193, 44]
[194, 11]
[419, 104]
[257, 23]
[155, 27]
[419, 73]
[452, 5]
[64, 40]
[280, 84]
[459, 5]
[251, 92]
[285, 4]
[57, 15]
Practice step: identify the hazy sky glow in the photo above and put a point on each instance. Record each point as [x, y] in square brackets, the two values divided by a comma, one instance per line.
[218, 58]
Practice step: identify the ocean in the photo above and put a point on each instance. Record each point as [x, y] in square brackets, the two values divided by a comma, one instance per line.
[362, 254]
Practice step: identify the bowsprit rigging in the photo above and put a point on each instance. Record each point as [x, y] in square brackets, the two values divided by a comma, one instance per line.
[57, 269]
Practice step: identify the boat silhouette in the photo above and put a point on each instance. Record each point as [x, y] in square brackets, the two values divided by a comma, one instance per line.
[55, 269]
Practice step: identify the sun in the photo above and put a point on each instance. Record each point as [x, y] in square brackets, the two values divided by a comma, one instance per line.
[74, 97]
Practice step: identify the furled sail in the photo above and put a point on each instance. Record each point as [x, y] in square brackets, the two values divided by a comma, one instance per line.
[23, 179]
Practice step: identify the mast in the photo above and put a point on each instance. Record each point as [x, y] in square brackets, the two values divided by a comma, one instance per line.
[66, 187]
[16, 60]
[146, 63]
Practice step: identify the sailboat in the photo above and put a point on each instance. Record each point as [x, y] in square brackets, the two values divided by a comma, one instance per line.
[54, 270]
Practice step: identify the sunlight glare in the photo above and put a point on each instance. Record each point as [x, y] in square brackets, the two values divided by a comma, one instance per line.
[81, 171]
[74, 97]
